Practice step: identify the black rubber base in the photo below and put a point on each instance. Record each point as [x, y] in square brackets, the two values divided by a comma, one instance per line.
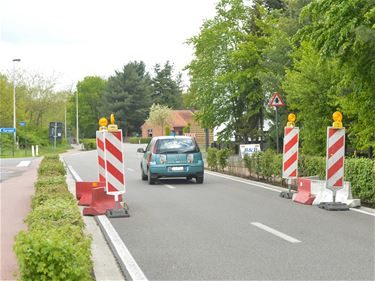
[117, 213]
[330, 206]
[286, 194]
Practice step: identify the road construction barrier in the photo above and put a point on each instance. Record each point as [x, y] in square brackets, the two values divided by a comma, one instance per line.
[84, 191]
[114, 163]
[101, 156]
[290, 153]
[304, 194]
[324, 195]
[100, 203]
[335, 157]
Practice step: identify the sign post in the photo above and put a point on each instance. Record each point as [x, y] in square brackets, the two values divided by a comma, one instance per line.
[277, 101]
[290, 154]
[335, 157]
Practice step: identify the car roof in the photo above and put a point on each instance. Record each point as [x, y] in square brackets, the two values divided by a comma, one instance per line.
[171, 137]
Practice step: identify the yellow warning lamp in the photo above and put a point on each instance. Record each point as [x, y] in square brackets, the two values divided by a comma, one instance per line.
[103, 122]
[337, 118]
[94, 184]
[112, 127]
[291, 120]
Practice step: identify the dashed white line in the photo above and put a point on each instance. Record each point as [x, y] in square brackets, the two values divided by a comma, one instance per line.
[275, 232]
[130, 169]
[169, 186]
[122, 251]
[24, 164]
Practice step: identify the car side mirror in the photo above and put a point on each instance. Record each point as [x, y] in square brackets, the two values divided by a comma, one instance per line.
[141, 150]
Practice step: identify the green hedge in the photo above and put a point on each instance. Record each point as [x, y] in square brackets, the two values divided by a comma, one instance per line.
[88, 144]
[360, 172]
[136, 140]
[54, 247]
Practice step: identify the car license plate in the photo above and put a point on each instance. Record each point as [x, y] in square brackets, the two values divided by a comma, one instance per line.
[177, 169]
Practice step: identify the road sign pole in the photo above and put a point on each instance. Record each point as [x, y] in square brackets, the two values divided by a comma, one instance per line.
[14, 138]
[277, 132]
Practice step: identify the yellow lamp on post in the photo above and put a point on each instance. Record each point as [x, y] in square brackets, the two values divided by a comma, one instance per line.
[112, 127]
[291, 120]
[103, 122]
[337, 118]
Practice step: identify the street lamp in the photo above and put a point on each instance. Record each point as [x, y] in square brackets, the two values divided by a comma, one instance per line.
[14, 102]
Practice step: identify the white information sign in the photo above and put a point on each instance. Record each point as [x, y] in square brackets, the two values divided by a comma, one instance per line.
[248, 149]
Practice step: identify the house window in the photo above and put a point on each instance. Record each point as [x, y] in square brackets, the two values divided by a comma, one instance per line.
[149, 133]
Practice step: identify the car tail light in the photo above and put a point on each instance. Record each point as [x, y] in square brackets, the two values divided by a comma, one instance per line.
[190, 158]
[163, 158]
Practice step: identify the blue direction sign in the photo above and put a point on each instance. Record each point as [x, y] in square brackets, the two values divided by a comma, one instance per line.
[22, 123]
[7, 130]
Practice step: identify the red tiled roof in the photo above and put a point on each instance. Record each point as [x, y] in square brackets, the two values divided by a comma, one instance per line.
[180, 118]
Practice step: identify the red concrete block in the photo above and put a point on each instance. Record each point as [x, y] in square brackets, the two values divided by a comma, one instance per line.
[304, 195]
[84, 191]
[100, 203]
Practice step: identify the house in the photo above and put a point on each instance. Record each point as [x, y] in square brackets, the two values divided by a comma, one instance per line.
[180, 120]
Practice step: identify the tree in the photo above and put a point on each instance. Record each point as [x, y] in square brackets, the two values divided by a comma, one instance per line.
[345, 30]
[127, 95]
[89, 92]
[166, 89]
[160, 115]
[311, 92]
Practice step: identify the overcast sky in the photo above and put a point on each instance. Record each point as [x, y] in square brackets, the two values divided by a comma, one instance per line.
[72, 39]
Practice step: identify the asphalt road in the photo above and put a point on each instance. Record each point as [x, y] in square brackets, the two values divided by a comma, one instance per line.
[225, 229]
[13, 167]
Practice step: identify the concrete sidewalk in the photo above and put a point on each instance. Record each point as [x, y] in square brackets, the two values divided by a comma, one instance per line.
[15, 203]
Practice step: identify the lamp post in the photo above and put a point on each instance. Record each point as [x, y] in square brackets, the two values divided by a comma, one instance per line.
[14, 101]
[77, 117]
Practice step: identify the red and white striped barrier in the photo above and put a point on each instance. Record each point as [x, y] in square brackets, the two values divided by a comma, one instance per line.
[335, 158]
[114, 163]
[290, 152]
[101, 156]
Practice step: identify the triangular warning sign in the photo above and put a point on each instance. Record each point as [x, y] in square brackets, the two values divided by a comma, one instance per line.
[276, 100]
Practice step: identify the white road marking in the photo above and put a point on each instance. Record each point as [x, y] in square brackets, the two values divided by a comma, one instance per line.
[275, 232]
[122, 251]
[243, 181]
[169, 186]
[74, 173]
[24, 164]
[363, 212]
[74, 154]
[130, 169]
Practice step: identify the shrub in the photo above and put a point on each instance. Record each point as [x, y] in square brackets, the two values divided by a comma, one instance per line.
[311, 166]
[136, 140]
[360, 172]
[267, 166]
[54, 254]
[88, 144]
[222, 156]
[51, 167]
[55, 246]
[44, 181]
[212, 158]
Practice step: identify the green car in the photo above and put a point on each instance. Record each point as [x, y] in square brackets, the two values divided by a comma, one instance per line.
[170, 156]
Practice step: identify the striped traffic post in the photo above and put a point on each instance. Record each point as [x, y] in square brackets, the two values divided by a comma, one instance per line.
[101, 155]
[114, 167]
[335, 158]
[290, 154]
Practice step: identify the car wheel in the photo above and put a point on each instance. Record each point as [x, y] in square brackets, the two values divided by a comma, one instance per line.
[144, 176]
[199, 179]
[150, 179]
[189, 178]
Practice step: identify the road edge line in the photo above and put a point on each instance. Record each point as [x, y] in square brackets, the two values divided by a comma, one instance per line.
[269, 187]
[126, 261]
[110, 240]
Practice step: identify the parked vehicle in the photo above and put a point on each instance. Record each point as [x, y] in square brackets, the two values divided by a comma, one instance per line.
[172, 156]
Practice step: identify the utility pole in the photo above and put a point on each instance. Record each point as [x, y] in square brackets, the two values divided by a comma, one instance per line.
[77, 117]
[14, 103]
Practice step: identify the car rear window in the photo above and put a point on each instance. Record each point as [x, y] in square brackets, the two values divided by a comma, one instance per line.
[177, 145]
